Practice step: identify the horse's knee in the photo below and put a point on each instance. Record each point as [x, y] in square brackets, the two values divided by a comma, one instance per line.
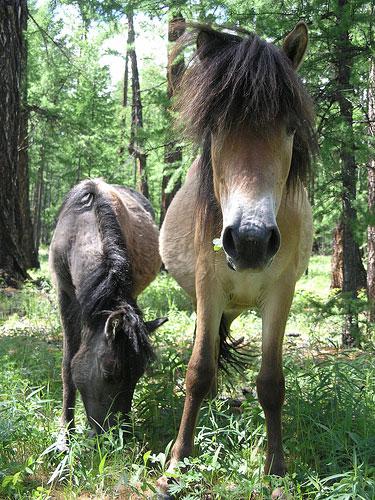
[199, 379]
[271, 391]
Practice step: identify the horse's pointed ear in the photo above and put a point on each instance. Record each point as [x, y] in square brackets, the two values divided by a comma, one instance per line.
[155, 323]
[112, 325]
[295, 44]
[208, 42]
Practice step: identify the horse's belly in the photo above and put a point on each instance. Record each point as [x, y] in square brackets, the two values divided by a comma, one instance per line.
[177, 241]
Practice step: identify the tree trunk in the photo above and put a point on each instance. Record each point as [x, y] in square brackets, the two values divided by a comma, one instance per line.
[38, 197]
[344, 61]
[337, 262]
[136, 131]
[23, 186]
[13, 262]
[173, 153]
[124, 105]
[371, 197]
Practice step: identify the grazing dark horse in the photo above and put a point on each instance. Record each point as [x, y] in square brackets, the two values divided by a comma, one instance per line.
[242, 101]
[104, 252]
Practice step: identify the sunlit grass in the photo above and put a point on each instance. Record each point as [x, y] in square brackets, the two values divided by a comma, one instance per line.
[329, 415]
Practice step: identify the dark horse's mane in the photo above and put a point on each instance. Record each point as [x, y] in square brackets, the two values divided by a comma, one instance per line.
[108, 289]
[112, 280]
[237, 80]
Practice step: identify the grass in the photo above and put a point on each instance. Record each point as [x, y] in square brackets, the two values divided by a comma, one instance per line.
[329, 414]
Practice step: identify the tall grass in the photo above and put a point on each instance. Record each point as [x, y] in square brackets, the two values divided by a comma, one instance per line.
[329, 413]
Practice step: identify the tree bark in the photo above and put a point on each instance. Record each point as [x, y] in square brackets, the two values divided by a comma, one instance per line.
[13, 262]
[38, 197]
[337, 262]
[344, 61]
[173, 153]
[371, 197]
[136, 132]
[124, 105]
[26, 230]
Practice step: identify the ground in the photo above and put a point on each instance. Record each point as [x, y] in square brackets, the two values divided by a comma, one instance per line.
[329, 414]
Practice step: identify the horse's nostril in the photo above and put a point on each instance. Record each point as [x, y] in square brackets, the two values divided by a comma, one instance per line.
[228, 242]
[274, 242]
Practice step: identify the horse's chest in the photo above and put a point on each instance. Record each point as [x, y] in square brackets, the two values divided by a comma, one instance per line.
[245, 291]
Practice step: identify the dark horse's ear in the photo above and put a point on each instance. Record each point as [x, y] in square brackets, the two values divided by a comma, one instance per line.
[155, 323]
[208, 42]
[113, 324]
[295, 44]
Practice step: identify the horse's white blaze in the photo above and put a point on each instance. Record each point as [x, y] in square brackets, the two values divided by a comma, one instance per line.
[256, 209]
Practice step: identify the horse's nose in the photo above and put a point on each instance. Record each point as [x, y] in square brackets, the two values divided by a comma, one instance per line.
[251, 246]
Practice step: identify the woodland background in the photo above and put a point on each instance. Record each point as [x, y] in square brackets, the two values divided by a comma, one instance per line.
[64, 120]
[84, 92]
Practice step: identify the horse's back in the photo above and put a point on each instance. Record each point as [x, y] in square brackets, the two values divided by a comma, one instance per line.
[141, 233]
[77, 244]
[142, 200]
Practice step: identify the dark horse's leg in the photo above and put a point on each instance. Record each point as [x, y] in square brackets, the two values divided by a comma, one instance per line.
[72, 338]
[270, 381]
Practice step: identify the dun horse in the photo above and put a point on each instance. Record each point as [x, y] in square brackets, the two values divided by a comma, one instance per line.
[241, 101]
[104, 252]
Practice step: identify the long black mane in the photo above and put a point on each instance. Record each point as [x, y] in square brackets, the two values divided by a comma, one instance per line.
[111, 282]
[239, 80]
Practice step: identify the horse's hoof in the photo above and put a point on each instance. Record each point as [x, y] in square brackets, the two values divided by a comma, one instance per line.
[162, 485]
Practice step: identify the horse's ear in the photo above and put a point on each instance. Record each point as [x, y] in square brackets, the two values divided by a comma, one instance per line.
[113, 325]
[295, 44]
[208, 42]
[155, 323]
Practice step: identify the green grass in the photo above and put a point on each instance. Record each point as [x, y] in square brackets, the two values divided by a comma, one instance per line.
[329, 414]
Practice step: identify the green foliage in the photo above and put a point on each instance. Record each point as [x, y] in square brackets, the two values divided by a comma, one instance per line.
[78, 125]
[328, 415]
[77, 128]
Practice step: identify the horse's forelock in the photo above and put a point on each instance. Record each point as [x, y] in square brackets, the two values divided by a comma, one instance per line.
[132, 339]
[243, 81]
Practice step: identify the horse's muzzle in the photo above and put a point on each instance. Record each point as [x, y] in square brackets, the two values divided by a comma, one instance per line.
[250, 246]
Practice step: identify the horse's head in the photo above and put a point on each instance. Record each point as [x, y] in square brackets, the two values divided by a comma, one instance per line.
[245, 99]
[113, 356]
[251, 161]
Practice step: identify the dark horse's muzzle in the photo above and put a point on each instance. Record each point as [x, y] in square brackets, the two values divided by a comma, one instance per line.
[250, 246]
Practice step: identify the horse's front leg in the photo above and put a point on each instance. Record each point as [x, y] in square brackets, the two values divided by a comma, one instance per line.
[72, 339]
[201, 373]
[270, 381]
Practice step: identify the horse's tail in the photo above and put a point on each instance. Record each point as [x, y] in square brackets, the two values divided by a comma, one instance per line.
[233, 353]
[112, 279]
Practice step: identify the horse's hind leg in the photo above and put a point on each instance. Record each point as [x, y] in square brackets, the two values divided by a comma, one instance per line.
[270, 381]
[72, 338]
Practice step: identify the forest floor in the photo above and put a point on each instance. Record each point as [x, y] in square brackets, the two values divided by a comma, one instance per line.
[329, 413]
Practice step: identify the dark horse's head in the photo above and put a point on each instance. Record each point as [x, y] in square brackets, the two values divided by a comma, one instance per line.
[242, 100]
[114, 354]
[114, 346]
